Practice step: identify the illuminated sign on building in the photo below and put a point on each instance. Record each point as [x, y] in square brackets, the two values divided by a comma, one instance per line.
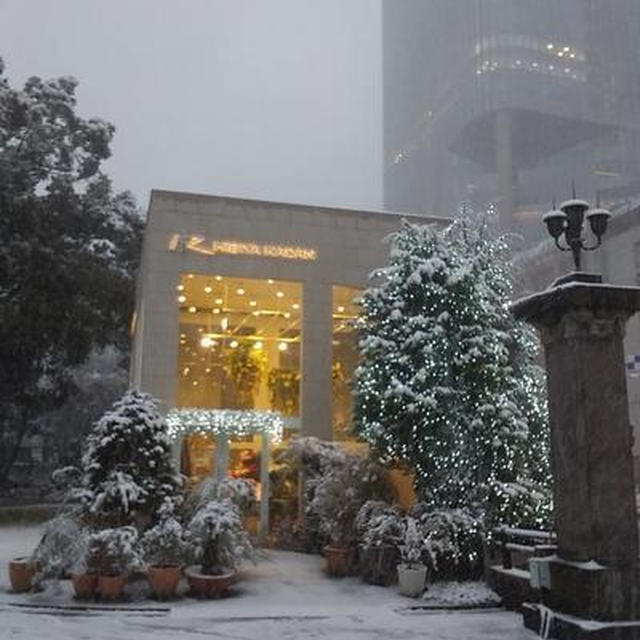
[200, 244]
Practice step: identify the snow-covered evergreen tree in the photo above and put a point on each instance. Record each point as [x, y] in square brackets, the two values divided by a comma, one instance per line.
[126, 466]
[447, 380]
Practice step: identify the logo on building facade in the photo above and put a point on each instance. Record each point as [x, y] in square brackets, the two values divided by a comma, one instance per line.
[201, 244]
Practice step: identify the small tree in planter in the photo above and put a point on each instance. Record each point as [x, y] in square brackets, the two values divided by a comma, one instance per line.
[220, 543]
[127, 473]
[380, 529]
[165, 549]
[338, 496]
[412, 574]
[63, 551]
[239, 491]
[114, 553]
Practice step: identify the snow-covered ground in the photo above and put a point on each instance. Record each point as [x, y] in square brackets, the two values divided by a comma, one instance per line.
[286, 596]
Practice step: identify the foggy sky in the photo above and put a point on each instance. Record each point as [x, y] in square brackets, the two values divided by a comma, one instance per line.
[273, 99]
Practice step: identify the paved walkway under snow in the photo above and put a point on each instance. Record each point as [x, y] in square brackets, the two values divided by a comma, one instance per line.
[286, 596]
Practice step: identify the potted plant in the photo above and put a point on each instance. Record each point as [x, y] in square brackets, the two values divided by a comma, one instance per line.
[115, 553]
[380, 530]
[164, 549]
[220, 543]
[412, 574]
[337, 501]
[63, 552]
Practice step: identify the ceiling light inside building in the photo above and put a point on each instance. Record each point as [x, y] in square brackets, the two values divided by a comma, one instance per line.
[252, 303]
[206, 342]
[279, 294]
[215, 311]
[295, 306]
[208, 289]
[258, 344]
[240, 291]
[219, 300]
[283, 346]
[192, 309]
[180, 287]
[218, 278]
[233, 344]
[182, 299]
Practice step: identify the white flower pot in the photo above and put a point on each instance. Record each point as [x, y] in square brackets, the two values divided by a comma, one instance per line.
[411, 580]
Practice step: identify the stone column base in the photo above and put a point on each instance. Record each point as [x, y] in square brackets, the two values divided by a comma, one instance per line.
[592, 591]
[565, 627]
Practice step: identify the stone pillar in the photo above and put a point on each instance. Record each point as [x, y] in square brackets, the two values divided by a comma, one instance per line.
[317, 336]
[594, 575]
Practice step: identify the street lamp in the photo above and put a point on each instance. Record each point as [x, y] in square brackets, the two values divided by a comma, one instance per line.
[568, 220]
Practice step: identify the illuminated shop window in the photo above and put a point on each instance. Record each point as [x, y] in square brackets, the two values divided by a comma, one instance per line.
[239, 348]
[345, 358]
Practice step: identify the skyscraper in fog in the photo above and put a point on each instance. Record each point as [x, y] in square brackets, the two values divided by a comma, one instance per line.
[507, 102]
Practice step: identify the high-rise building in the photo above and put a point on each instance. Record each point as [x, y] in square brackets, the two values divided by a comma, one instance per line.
[505, 102]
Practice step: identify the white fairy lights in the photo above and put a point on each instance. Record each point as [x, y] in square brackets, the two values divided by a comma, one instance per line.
[229, 422]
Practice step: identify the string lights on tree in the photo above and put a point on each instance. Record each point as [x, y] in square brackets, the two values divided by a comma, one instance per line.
[447, 380]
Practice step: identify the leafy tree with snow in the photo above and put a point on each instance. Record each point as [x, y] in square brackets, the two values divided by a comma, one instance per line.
[127, 474]
[69, 248]
[447, 380]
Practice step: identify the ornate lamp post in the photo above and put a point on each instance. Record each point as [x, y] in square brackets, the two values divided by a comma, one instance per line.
[568, 220]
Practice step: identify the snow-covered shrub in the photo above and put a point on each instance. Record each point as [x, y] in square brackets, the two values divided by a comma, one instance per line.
[126, 466]
[165, 543]
[115, 551]
[62, 548]
[379, 528]
[413, 544]
[219, 539]
[379, 524]
[453, 541]
[306, 460]
[340, 493]
[240, 491]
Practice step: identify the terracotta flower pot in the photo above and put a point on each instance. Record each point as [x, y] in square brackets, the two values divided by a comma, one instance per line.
[205, 586]
[111, 587]
[339, 560]
[21, 572]
[85, 585]
[164, 580]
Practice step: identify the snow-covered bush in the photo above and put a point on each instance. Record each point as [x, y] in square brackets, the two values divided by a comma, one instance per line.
[165, 543]
[240, 491]
[219, 539]
[453, 541]
[413, 544]
[340, 493]
[126, 466]
[115, 551]
[62, 548]
[379, 524]
[306, 460]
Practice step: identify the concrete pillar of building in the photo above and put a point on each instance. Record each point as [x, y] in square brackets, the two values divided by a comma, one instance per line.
[505, 168]
[595, 573]
[221, 453]
[317, 348]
